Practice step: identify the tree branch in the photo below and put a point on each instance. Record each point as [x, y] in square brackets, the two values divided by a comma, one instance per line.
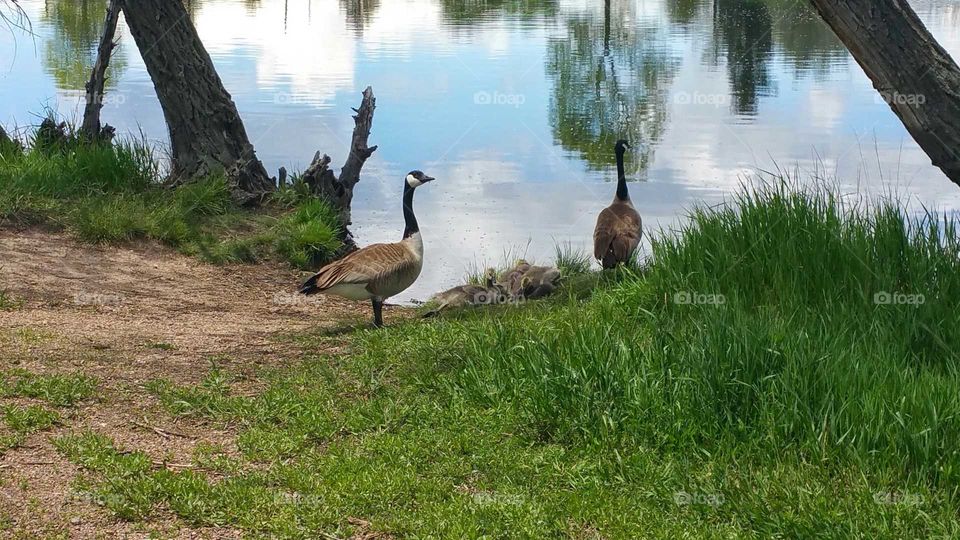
[359, 151]
[912, 72]
[98, 78]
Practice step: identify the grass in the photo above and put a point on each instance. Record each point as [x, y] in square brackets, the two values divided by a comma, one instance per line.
[20, 422]
[773, 371]
[59, 390]
[17, 422]
[110, 193]
[9, 302]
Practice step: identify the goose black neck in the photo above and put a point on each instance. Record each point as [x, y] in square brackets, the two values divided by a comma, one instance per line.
[622, 193]
[409, 220]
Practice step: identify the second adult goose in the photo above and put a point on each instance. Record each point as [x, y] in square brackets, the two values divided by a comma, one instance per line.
[618, 230]
[377, 271]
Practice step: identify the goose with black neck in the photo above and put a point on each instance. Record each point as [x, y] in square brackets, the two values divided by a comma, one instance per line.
[618, 231]
[378, 271]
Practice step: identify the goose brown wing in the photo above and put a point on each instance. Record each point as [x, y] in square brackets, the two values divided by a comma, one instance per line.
[370, 266]
[618, 231]
[604, 232]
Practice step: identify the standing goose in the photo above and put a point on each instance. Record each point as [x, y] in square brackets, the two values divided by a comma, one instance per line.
[617, 234]
[377, 271]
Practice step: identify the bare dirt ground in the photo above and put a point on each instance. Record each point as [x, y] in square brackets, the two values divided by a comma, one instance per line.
[126, 316]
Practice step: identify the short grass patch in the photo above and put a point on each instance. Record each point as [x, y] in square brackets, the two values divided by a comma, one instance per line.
[58, 390]
[19, 422]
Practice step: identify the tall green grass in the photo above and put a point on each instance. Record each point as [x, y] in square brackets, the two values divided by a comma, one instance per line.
[788, 321]
[765, 375]
[105, 193]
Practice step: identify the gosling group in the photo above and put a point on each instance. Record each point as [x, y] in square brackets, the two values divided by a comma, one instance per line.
[380, 271]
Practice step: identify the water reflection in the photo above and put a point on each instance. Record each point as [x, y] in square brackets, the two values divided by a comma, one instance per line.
[465, 13]
[742, 38]
[358, 13]
[70, 49]
[807, 43]
[610, 72]
[575, 74]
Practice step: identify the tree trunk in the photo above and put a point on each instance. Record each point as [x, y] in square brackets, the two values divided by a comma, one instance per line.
[339, 190]
[91, 128]
[912, 72]
[206, 132]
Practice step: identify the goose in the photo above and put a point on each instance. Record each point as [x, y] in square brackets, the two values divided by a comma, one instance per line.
[528, 281]
[377, 271]
[490, 292]
[618, 232]
[531, 289]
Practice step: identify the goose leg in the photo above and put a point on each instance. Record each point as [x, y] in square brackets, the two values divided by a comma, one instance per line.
[377, 312]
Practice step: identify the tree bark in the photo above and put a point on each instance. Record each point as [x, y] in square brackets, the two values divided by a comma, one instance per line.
[912, 72]
[206, 133]
[91, 128]
[339, 190]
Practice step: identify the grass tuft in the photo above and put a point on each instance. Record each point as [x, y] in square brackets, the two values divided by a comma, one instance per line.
[59, 390]
[110, 193]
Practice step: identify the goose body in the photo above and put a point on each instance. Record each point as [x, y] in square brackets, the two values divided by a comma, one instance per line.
[378, 271]
[619, 228]
[490, 292]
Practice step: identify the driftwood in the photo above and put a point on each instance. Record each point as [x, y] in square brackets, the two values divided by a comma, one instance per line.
[51, 135]
[91, 128]
[339, 190]
[912, 72]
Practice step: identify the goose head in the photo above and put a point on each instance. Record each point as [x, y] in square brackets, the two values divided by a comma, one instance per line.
[490, 277]
[415, 179]
[621, 146]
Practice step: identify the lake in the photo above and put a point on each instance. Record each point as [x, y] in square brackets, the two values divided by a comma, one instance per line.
[514, 106]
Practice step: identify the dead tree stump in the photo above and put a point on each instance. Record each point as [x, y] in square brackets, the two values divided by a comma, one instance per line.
[338, 190]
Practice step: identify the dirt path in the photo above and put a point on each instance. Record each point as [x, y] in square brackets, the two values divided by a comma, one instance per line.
[126, 316]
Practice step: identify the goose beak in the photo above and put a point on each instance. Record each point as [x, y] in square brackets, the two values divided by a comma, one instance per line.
[426, 179]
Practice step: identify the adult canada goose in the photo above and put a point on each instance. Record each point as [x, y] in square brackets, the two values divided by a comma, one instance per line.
[377, 271]
[618, 232]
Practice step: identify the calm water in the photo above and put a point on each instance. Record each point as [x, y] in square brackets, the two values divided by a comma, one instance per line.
[514, 106]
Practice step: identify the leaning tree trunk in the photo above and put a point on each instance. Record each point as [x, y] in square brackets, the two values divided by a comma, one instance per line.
[338, 190]
[91, 127]
[206, 132]
[912, 72]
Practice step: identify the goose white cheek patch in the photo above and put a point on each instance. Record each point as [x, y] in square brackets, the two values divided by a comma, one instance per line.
[413, 182]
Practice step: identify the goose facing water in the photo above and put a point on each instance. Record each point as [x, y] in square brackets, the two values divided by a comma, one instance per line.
[618, 229]
[377, 271]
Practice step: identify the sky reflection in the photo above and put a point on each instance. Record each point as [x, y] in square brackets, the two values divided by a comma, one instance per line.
[514, 106]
